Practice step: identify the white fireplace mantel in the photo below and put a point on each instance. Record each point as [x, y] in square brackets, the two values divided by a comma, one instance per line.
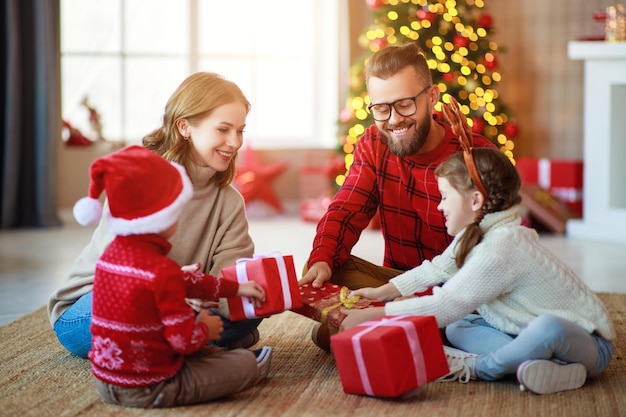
[604, 147]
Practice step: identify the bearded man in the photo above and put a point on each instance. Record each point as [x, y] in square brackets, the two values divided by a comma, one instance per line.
[392, 176]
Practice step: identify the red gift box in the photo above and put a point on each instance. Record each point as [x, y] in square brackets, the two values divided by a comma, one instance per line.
[312, 209]
[562, 177]
[324, 304]
[277, 275]
[545, 208]
[390, 356]
[314, 182]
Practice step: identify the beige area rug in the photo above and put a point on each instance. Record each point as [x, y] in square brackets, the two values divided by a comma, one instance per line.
[39, 378]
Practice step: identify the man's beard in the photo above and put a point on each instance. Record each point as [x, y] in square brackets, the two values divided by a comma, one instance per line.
[409, 146]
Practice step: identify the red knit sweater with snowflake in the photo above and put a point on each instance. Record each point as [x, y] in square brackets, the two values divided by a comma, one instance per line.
[141, 325]
[405, 193]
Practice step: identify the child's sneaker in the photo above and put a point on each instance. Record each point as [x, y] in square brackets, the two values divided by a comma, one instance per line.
[543, 376]
[263, 359]
[461, 364]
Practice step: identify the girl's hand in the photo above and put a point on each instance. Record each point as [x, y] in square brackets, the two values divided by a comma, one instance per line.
[252, 290]
[213, 322]
[383, 293]
[354, 317]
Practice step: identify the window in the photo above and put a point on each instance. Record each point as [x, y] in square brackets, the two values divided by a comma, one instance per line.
[128, 56]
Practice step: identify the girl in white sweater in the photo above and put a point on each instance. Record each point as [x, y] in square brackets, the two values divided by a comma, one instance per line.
[535, 317]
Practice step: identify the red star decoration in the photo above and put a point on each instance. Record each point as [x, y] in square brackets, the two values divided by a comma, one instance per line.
[254, 180]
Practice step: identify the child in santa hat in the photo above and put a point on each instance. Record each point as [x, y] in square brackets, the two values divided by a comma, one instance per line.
[149, 348]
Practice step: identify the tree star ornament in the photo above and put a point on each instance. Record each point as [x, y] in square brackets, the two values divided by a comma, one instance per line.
[254, 179]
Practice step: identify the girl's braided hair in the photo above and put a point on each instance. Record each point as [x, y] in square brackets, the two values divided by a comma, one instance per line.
[500, 179]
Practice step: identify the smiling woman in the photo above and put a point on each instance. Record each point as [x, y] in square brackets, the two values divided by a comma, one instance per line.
[127, 55]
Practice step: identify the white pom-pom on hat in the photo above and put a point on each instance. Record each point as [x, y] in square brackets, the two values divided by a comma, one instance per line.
[87, 211]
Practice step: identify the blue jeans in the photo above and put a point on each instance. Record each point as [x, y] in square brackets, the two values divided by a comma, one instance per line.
[546, 337]
[72, 328]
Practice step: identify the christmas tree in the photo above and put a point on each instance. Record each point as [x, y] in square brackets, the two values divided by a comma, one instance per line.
[455, 38]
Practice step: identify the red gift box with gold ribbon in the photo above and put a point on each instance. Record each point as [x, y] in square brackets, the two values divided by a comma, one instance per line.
[390, 356]
[324, 304]
[276, 274]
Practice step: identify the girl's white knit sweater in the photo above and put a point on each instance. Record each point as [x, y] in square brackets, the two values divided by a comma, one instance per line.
[509, 278]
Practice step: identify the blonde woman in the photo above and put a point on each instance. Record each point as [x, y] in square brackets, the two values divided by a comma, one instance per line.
[202, 130]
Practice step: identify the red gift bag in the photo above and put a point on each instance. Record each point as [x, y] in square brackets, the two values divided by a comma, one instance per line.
[277, 275]
[390, 356]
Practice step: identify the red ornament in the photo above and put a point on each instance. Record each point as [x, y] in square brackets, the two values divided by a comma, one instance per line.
[335, 167]
[380, 42]
[485, 21]
[448, 77]
[73, 136]
[426, 15]
[346, 115]
[254, 180]
[491, 62]
[375, 4]
[461, 41]
[478, 125]
[511, 129]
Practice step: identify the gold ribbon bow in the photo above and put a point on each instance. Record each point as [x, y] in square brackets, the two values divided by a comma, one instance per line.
[459, 125]
[344, 300]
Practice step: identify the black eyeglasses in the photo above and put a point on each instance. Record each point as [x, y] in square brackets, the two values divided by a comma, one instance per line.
[404, 107]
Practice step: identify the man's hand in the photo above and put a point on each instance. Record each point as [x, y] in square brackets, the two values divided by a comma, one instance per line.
[318, 274]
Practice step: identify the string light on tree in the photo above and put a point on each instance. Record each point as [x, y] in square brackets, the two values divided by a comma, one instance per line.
[455, 37]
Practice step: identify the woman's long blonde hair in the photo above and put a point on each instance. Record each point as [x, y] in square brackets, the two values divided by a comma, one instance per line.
[196, 97]
[502, 183]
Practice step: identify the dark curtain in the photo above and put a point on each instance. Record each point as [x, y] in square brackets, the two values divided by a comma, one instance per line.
[30, 112]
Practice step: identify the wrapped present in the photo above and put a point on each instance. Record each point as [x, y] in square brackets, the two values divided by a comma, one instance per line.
[390, 356]
[324, 304]
[312, 209]
[313, 182]
[550, 212]
[277, 275]
[563, 178]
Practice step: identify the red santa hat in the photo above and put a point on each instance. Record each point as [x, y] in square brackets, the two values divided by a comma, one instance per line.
[145, 192]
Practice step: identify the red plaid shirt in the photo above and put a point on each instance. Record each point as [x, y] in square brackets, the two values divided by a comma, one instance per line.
[405, 192]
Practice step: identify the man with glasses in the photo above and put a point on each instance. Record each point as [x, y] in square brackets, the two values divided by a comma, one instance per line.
[392, 173]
